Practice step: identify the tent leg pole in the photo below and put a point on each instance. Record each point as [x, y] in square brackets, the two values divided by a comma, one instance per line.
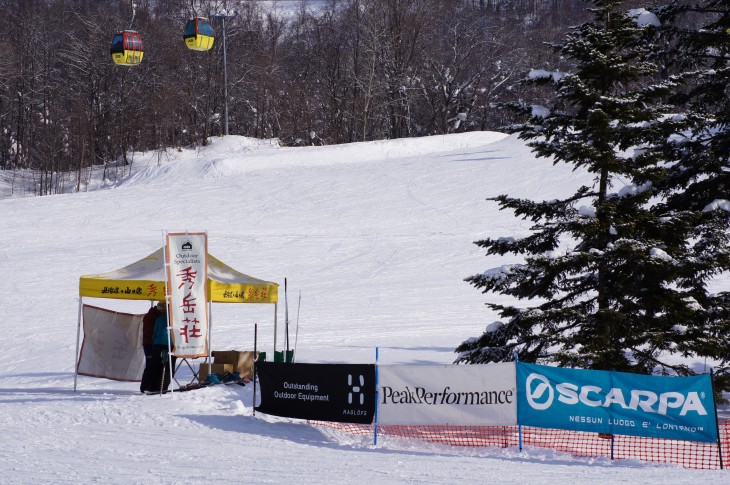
[210, 338]
[255, 358]
[78, 336]
[276, 306]
[169, 346]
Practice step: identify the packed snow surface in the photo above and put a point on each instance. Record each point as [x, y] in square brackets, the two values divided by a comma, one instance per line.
[375, 237]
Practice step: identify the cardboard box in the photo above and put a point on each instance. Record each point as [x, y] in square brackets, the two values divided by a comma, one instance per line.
[245, 364]
[214, 369]
[225, 356]
[241, 360]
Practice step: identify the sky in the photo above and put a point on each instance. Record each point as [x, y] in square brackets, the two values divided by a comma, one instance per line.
[374, 239]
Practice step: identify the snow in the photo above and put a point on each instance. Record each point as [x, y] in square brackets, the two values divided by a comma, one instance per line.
[644, 17]
[501, 273]
[721, 204]
[631, 189]
[543, 74]
[376, 237]
[660, 254]
[539, 111]
[587, 211]
[291, 8]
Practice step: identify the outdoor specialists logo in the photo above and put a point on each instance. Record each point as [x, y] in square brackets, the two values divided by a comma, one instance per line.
[541, 394]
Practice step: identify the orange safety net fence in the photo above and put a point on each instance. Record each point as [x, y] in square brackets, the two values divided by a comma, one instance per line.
[688, 454]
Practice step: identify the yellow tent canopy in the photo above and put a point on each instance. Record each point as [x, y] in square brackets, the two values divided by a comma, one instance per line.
[145, 280]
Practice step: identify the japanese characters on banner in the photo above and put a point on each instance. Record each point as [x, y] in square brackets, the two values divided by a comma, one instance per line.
[447, 394]
[679, 408]
[186, 257]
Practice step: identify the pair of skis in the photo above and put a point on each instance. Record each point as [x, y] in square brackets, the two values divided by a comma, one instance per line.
[198, 385]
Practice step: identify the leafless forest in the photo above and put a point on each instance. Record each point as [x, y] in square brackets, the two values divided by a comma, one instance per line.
[338, 72]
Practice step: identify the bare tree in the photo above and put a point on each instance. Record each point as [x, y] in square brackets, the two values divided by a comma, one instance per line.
[352, 70]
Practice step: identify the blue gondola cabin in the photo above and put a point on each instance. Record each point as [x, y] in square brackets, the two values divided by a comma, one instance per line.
[198, 34]
[127, 48]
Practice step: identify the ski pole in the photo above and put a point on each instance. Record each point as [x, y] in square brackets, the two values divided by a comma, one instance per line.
[296, 333]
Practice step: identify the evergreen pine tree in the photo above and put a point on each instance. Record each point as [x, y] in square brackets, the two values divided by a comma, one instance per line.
[601, 278]
[694, 184]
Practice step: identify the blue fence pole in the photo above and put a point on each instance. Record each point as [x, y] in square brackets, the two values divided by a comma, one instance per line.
[519, 426]
[375, 428]
[717, 422]
[612, 435]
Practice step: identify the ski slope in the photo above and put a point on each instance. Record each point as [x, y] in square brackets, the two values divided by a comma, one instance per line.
[377, 239]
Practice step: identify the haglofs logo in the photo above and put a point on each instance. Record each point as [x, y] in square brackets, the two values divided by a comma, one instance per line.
[355, 389]
[541, 394]
[186, 246]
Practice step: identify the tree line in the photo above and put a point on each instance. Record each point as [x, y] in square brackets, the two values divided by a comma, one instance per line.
[349, 70]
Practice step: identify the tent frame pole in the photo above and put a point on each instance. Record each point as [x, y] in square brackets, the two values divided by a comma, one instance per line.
[255, 358]
[78, 337]
[276, 311]
[210, 337]
[169, 342]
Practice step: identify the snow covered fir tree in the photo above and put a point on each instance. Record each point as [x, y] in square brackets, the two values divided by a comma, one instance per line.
[697, 182]
[617, 276]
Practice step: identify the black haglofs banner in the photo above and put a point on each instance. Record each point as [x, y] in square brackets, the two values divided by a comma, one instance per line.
[342, 393]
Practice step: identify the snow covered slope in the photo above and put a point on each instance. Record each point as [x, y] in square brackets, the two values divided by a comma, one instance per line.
[377, 237]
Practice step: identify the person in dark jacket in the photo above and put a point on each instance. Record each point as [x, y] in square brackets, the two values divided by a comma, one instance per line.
[148, 326]
[160, 375]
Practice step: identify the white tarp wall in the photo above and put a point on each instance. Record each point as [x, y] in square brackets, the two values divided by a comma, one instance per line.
[483, 395]
[112, 346]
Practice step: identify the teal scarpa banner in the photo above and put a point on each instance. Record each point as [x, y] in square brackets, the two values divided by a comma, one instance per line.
[679, 408]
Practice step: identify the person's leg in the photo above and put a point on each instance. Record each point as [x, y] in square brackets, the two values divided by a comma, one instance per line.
[145, 384]
[156, 367]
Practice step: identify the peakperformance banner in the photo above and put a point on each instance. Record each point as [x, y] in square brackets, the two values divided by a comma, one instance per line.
[483, 395]
[342, 393]
[679, 408]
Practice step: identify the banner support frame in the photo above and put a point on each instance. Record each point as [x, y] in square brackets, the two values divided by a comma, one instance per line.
[255, 358]
[717, 422]
[78, 337]
[519, 426]
[377, 399]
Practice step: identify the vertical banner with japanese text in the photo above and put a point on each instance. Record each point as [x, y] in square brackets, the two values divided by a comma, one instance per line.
[186, 256]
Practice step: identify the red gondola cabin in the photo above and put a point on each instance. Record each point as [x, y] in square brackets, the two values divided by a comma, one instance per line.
[127, 48]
